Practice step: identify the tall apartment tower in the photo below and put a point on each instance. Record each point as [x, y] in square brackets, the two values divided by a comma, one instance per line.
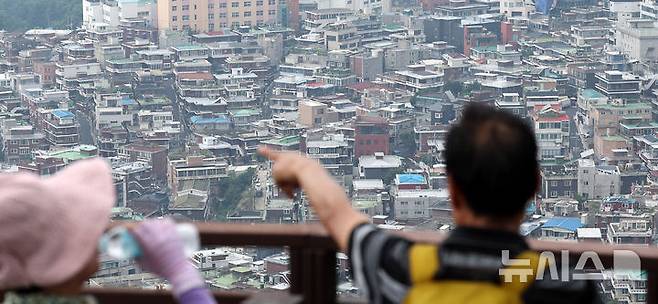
[211, 15]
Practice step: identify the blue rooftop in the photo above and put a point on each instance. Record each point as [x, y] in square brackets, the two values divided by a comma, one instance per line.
[621, 199]
[411, 179]
[567, 223]
[590, 93]
[128, 102]
[63, 114]
[198, 120]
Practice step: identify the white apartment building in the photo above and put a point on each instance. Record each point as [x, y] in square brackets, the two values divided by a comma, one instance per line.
[597, 182]
[415, 204]
[552, 132]
[195, 168]
[112, 117]
[625, 9]
[632, 232]
[358, 6]
[78, 76]
[517, 8]
[112, 12]
[418, 77]
[638, 38]
[649, 10]
[112, 111]
[625, 288]
[218, 258]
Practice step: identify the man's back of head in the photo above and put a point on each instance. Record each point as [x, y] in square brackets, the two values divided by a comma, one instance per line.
[491, 158]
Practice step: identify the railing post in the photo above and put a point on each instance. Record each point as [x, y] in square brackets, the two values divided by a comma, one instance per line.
[652, 288]
[325, 277]
[296, 261]
[313, 275]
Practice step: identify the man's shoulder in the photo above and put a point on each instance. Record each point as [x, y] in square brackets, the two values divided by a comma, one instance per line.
[564, 292]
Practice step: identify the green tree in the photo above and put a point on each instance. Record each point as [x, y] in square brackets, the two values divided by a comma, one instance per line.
[456, 87]
[232, 190]
[429, 159]
[390, 176]
[27, 14]
[473, 86]
[407, 144]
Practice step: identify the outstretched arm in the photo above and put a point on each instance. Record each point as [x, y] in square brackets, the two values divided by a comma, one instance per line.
[292, 171]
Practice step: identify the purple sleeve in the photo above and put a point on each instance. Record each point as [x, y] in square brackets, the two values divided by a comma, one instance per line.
[199, 295]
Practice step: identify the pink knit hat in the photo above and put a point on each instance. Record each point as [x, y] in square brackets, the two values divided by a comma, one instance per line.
[49, 228]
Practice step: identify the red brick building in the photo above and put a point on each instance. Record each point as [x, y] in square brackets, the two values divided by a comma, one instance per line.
[371, 134]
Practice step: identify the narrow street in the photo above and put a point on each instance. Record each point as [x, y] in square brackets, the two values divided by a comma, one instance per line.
[86, 130]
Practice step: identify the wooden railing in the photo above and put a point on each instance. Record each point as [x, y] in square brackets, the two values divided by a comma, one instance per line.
[313, 263]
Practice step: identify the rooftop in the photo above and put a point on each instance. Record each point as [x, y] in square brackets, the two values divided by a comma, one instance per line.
[368, 184]
[567, 223]
[410, 179]
[63, 114]
[591, 94]
[380, 162]
[218, 119]
[76, 153]
[284, 141]
[588, 233]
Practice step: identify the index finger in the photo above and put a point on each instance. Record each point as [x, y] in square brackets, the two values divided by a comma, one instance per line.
[268, 153]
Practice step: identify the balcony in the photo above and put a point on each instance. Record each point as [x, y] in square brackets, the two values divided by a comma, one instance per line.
[313, 261]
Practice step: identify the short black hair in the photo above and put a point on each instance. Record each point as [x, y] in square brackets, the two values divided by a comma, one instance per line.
[491, 156]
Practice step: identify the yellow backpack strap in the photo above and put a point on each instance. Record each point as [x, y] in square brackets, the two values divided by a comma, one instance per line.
[423, 262]
[520, 271]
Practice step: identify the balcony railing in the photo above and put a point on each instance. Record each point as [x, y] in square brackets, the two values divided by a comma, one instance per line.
[313, 263]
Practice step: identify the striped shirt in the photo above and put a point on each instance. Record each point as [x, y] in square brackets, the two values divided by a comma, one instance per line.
[381, 265]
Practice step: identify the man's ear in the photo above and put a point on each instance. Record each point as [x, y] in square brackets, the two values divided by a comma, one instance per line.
[456, 197]
[538, 187]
